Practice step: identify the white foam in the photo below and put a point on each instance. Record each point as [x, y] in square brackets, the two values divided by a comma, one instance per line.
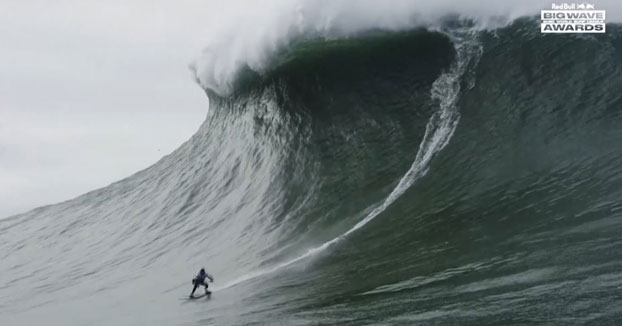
[248, 33]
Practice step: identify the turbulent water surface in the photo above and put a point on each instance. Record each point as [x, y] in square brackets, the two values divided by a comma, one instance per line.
[415, 177]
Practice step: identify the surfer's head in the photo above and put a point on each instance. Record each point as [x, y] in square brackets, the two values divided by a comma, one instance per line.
[202, 271]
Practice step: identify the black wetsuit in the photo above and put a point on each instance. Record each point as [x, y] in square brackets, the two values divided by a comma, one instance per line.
[200, 280]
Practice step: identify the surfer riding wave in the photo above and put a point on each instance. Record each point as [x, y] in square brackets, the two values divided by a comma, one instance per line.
[200, 280]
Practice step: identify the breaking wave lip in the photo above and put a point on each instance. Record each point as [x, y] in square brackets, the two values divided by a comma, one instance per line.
[438, 133]
[257, 34]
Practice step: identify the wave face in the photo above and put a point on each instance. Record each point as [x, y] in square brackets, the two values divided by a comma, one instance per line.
[413, 177]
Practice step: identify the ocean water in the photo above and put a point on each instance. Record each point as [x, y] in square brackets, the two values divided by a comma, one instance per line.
[447, 176]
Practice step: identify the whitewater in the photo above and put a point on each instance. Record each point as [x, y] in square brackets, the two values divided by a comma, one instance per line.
[419, 163]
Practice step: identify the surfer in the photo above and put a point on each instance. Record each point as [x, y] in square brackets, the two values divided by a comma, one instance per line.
[200, 280]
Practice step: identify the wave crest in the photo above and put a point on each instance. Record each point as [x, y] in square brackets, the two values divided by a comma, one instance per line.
[255, 32]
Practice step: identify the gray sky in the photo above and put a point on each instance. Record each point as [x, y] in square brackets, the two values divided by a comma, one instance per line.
[91, 92]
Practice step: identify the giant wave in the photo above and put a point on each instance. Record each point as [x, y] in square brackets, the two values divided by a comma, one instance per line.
[391, 176]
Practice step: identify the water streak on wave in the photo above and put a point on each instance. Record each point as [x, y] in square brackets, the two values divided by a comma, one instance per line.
[439, 129]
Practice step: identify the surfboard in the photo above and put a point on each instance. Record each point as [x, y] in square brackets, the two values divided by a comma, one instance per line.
[209, 294]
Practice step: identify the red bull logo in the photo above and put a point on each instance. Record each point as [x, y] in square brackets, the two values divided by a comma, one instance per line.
[573, 18]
